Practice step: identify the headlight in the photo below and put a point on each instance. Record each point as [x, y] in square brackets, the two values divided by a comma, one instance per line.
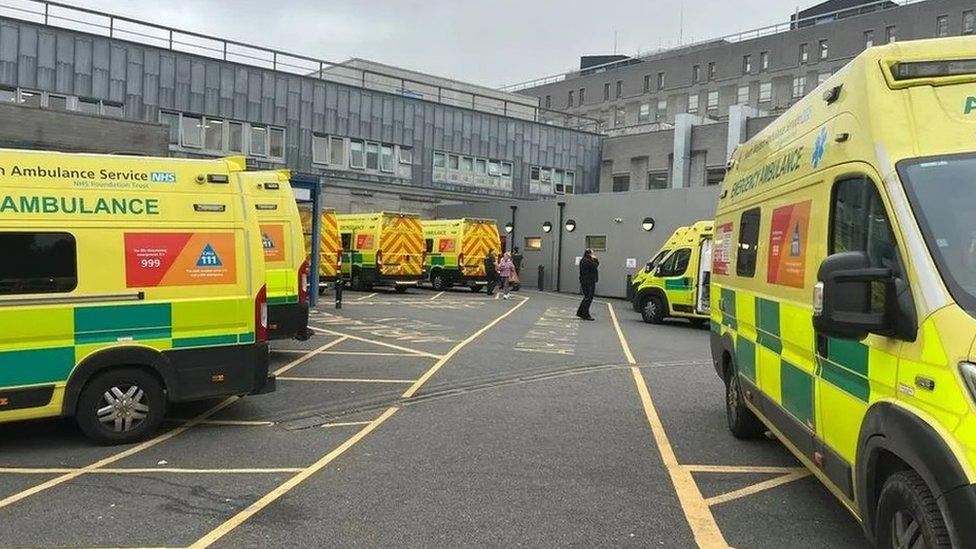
[968, 371]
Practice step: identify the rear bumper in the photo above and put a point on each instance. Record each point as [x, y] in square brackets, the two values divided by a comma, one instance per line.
[961, 506]
[287, 321]
[209, 372]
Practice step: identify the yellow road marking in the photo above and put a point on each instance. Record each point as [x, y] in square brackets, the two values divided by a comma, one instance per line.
[226, 422]
[443, 360]
[146, 470]
[365, 297]
[758, 487]
[115, 457]
[742, 469]
[290, 484]
[438, 294]
[369, 353]
[620, 335]
[696, 511]
[346, 379]
[498, 295]
[345, 424]
[308, 355]
[375, 342]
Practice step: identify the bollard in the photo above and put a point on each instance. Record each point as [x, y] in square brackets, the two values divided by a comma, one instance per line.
[542, 278]
[630, 287]
[339, 283]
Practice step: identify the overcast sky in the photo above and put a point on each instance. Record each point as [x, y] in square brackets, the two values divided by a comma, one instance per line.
[489, 42]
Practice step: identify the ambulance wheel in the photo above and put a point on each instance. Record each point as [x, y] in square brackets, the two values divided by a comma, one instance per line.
[322, 289]
[742, 422]
[475, 288]
[652, 310]
[908, 515]
[698, 322]
[121, 406]
[438, 281]
[400, 289]
[357, 282]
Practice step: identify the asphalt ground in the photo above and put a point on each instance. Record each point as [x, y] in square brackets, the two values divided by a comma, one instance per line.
[436, 419]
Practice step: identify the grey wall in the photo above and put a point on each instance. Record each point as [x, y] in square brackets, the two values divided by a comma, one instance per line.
[595, 215]
[32, 128]
[147, 79]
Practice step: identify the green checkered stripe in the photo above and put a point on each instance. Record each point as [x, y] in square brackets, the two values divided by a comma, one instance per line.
[845, 366]
[74, 333]
[283, 300]
[363, 260]
[442, 260]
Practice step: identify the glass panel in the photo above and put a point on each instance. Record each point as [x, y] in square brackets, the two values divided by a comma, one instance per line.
[235, 137]
[597, 243]
[320, 149]
[481, 166]
[506, 169]
[386, 158]
[8, 95]
[676, 264]
[259, 140]
[406, 155]
[57, 102]
[467, 164]
[88, 106]
[170, 119]
[30, 98]
[372, 156]
[440, 160]
[337, 151]
[453, 162]
[534, 173]
[745, 264]
[112, 109]
[214, 134]
[621, 183]
[191, 128]
[277, 149]
[38, 263]
[494, 168]
[357, 157]
[657, 180]
[533, 243]
[570, 182]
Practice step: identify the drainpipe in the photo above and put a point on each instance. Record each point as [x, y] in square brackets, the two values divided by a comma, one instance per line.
[559, 245]
[511, 244]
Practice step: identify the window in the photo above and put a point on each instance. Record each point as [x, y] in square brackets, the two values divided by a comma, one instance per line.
[712, 100]
[556, 179]
[714, 175]
[480, 166]
[644, 113]
[213, 135]
[406, 156]
[570, 183]
[647, 83]
[620, 89]
[621, 183]
[440, 160]
[804, 53]
[868, 39]
[191, 128]
[259, 141]
[742, 95]
[712, 71]
[386, 158]
[115, 110]
[30, 98]
[676, 264]
[745, 261]
[765, 92]
[454, 162]
[320, 149]
[172, 120]
[235, 136]
[582, 96]
[87, 106]
[619, 117]
[693, 103]
[764, 61]
[337, 151]
[38, 263]
[533, 243]
[660, 81]
[57, 102]
[494, 168]
[657, 180]
[506, 169]
[569, 99]
[549, 101]
[597, 243]
[429, 245]
[346, 241]
[823, 77]
[942, 25]
[467, 164]
[372, 155]
[662, 110]
[357, 154]
[968, 22]
[823, 50]
[606, 91]
[746, 64]
[9, 95]
[695, 74]
[799, 85]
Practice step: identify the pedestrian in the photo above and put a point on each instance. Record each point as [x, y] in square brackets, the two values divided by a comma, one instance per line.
[506, 269]
[491, 272]
[517, 260]
[589, 275]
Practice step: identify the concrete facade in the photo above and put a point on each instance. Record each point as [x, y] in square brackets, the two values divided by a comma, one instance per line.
[618, 217]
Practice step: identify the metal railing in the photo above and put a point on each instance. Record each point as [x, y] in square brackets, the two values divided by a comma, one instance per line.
[64, 16]
[794, 23]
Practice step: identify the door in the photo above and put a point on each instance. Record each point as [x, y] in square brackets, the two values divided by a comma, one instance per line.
[678, 282]
[703, 304]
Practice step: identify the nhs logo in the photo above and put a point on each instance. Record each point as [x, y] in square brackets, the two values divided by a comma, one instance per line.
[162, 177]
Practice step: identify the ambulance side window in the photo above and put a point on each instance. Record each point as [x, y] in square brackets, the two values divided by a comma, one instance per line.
[429, 243]
[347, 241]
[38, 263]
[859, 222]
[745, 257]
[677, 264]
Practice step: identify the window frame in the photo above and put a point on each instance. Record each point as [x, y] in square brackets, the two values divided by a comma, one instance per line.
[939, 21]
[748, 271]
[747, 64]
[595, 248]
[619, 176]
[768, 86]
[353, 143]
[60, 290]
[673, 258]
[529, 247]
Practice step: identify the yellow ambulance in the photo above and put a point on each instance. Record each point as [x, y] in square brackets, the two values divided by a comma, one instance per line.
[382, 249]
[270, 197]
[638, 278]
[456, 251]
[330, 245]
[126, 283]
[844, 299]
[678, 286]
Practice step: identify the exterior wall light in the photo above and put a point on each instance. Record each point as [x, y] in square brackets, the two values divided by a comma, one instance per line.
[648, 224]
[547, 227]
[509, 228]
[570, 225]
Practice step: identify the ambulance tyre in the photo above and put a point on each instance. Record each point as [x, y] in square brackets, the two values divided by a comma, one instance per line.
[400, 289]
[437, 280]
[357, 281]
[908, 514]
[121, 406]
[475, 288]
[652, 309]
[742, 422]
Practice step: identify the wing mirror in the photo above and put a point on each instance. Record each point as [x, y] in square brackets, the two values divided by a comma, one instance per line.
[853, 299]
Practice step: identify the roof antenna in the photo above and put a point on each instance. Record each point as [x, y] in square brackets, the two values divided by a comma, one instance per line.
[681, 26]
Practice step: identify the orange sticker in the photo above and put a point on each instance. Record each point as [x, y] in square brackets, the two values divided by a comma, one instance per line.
[445, 246]
[788, 245]
[364, 242]
[273, 242]
[180, 259]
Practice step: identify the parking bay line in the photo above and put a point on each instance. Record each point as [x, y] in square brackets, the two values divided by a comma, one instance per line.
[290, 484]
[365, 297]
[693, 505]
[443, 360]
[438, 294]
[758, 487]
[346, 380]
[146, 470]
[225, 422]
[375, 342]
[309, 355]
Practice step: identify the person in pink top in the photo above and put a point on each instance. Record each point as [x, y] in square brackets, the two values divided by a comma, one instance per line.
[505, 269]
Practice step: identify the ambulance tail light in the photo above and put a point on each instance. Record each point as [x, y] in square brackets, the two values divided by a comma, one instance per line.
[303, 275]
[379, 258]
[423, 259]
[338, 260]
[968, 372]
[460, 260]
[261, 315]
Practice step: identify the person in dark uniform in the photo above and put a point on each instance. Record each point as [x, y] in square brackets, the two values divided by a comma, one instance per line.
[491, 272]
[589, 275]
